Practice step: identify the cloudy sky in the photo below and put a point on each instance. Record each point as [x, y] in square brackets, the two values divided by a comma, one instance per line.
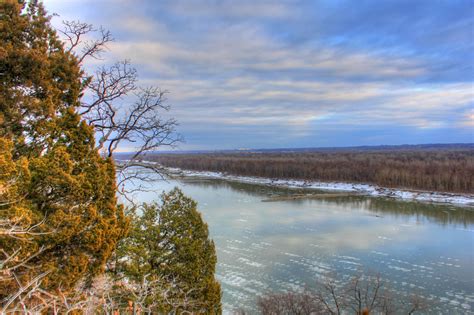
[272, 74]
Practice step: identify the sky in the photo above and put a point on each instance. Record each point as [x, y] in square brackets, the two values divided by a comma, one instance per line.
[282, 74]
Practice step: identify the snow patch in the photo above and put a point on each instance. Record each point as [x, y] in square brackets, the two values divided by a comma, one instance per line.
[364, 189]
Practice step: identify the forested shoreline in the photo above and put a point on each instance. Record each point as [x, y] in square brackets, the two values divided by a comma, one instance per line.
[449, 170]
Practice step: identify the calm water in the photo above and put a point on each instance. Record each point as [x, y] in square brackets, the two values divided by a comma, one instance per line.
[261, 246]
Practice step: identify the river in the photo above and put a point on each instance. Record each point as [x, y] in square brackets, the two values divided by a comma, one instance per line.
[417, 248]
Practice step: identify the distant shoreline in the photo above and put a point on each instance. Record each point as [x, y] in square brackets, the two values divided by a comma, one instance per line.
[362, 189]
[361, 148]
[441, 171]
[370, 190]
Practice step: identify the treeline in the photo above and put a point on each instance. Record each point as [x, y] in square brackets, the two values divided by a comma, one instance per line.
[434, 170]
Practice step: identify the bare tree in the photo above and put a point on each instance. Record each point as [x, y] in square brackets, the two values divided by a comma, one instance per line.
[367, 295]
[120, 111]
[74, 33]
[25, 294]
[363, 295]
[297, 303]
[149, 296]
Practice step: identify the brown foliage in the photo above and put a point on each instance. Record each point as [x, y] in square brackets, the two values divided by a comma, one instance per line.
[59, 217]
[434, 170]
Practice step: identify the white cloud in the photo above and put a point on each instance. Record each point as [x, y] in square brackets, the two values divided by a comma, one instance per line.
[239, 9]
[247, 49]
[468, 120]
[249, 101]
[224, 67]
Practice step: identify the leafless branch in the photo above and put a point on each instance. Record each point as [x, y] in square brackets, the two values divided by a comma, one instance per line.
[362, 295]
[120, 112]
[74, 33]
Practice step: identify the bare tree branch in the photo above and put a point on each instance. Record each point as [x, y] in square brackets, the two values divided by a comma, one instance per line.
[362, 295]
[121, 112]
[74, 33]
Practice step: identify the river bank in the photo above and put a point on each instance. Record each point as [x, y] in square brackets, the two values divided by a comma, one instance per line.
[362, 189]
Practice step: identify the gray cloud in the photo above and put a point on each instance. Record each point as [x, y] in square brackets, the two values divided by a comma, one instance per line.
[290, 72]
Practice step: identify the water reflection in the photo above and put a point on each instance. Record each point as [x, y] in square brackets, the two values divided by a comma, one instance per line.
[435, 213]
[288, 244]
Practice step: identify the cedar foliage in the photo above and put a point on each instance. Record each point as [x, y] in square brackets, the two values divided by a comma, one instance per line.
[436, 170]
[60, 222]
[169, 242]
[52, 176]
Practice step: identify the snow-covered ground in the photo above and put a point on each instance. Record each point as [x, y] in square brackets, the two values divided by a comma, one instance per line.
[365, 189]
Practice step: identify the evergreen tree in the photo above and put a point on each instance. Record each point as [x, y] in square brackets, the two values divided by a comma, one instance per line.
[67, 189]
[169, 244]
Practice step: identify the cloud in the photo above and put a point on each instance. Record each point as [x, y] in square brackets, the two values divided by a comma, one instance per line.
[255, 54]
[138, 25]
[290, 72]
[468, 119]
[234, 9]
[297, 104]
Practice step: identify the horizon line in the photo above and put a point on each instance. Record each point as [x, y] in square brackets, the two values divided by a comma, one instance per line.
[469, 144]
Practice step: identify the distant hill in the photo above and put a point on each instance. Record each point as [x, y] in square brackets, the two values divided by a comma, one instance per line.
[403, 147]
[434, 146]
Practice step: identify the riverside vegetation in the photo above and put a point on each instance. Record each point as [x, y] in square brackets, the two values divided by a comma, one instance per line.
[442, 169]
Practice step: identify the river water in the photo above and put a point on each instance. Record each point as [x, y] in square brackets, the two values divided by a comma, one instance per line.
[417, 248]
